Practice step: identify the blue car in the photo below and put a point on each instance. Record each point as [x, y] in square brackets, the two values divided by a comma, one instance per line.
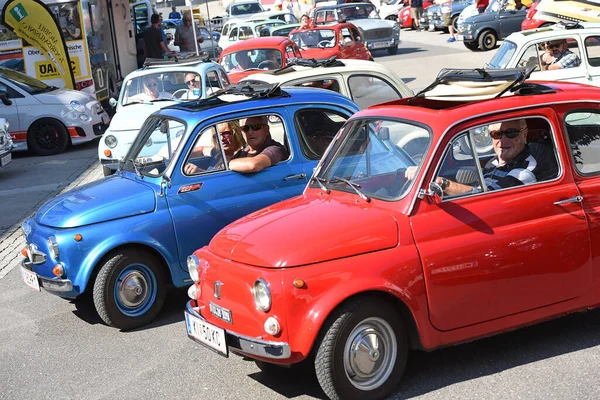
[122, 239]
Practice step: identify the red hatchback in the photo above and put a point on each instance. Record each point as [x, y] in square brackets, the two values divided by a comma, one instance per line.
[341, 40]
[494, 228]
[405, 16]
[251, 56]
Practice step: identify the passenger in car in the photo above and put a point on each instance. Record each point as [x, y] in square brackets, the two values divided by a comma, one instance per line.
[232, 142]
[262, 151]
[513, 164]
[151, 92]
[559, 56]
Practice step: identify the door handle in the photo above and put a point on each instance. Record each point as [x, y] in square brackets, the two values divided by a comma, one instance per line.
[576, 199]
[299, 176]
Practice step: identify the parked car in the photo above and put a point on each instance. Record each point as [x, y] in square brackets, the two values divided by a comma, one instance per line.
[378, 33]
[45, 119]
[484, 30]
[283, 16]
[122, 239]
[278, 30]
[260, 54]
[433, 19]
[405, 17]
[531, 21]
[134, 106]
[237, 31]
[243, 9]
[342, 40]
[395, 264]
[209, 46]
[524, 49]
[6, 143]
[391, 10]
[366, 83]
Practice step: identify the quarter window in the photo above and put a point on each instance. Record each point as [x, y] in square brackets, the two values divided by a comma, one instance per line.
[583, 129]
[367, 90]
[592, 48]
[233, 35]
[326, 83]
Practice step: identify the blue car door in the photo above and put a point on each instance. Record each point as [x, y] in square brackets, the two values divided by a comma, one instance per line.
[203, 203]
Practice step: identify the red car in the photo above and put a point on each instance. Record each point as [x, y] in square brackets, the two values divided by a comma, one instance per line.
[405, 17]
[385, 253]
[530, 22]
[341, 40]
[252, 56]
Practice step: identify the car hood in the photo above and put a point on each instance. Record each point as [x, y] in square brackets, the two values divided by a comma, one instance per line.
[107, 199]
[131, 117]
[367, 24]
[306, 230]
[63, 96]
[480, 18]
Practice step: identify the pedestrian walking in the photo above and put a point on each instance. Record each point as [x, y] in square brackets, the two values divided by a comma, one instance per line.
[446, 6]
[416, 11]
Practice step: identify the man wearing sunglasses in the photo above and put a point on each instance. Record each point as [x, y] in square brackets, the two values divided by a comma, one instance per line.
[513, 165]
[261, 151]
[151, 92]
[194, 85]
[558, 55]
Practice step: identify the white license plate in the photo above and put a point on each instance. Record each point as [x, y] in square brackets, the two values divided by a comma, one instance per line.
[460, 37]
[220, 312]
[378, 45]
[207, 334]
[5, 160]
[30, 278]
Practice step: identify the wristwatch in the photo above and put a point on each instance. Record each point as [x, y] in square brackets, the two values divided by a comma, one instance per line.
[445, 183]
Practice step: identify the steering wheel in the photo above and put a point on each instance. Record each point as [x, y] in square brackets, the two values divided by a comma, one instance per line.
[267, 64]
[323, 43]
[175, 96]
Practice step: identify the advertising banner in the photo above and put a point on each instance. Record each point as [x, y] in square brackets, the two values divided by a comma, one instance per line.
[34, 23]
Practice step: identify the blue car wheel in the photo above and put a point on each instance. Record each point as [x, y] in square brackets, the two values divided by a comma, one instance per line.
[129, 290]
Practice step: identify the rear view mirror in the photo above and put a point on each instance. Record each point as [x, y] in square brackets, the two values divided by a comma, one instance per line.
[4, 98]
[435, 193]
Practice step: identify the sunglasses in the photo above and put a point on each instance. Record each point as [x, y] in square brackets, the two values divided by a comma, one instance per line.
[254, 127]
[151, 85]
[190, 81]
[510, 133]
[553, 45]
[226, 134]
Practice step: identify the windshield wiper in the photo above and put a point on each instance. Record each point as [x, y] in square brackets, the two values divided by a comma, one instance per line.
[353, 185]
[321, 183]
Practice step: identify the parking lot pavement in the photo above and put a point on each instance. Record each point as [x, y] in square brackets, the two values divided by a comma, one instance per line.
[12, 241]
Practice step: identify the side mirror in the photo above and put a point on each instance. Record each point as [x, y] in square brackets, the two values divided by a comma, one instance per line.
[113, 102]
[4, 98]
[435, 193]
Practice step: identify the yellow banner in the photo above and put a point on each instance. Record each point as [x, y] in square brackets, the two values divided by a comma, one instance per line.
[32, 21]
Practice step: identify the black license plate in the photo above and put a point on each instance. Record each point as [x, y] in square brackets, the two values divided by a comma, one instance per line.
[220, 312]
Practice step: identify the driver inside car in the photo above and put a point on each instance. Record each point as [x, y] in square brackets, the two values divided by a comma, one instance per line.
[194, 86]
[151, 92]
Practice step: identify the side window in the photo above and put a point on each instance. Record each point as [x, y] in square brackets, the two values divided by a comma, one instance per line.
[206, 155]
[246, 33]
[330, 16]
[233, 35]
[224, 79]
[357, 37]
[583, 129]
[531, 56]
[367, 90]
[289, 53]
[10, 92]
[225, 30]
[346, 36]
[498, 156]
[316, 129]
[592, 49]
[212, 82]
[331, 84]
[255, 126]
[564, 52]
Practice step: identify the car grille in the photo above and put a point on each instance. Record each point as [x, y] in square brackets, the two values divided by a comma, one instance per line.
[381, 33]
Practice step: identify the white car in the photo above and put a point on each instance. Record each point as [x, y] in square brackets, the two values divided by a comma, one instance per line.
[525, 48]
[45, 119]
[390, 10]
[6, 143]
[235, 31]
[365, 82]
[149, 89]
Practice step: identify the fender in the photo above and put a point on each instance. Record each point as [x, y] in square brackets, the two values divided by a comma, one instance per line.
[308, 309]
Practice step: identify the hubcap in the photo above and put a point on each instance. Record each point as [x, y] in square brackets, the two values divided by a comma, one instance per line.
[370, 353]
[133, 289]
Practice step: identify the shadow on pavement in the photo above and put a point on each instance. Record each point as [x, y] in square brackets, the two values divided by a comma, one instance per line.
[401, 50]
[290, 382]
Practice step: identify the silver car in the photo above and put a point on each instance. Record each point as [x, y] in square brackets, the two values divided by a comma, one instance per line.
[45, 119]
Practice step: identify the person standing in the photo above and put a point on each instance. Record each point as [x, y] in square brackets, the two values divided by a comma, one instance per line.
[154, 45]
[184, 35]
[446, 6]
[416, 11]
[174, 14]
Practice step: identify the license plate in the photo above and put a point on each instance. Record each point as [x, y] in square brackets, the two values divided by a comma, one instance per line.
[30, 278]
[220, 312]
[207, 334]
[378, 45]
[6, 159]
[460, 37]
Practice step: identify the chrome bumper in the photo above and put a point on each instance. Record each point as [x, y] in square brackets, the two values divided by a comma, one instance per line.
[248, 345]
[51, 285]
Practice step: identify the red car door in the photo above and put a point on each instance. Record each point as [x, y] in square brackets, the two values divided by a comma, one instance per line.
[487, 255]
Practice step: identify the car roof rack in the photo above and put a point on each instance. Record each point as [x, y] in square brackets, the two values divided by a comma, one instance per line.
[479, 84]
[176, 60]
[236, 93]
